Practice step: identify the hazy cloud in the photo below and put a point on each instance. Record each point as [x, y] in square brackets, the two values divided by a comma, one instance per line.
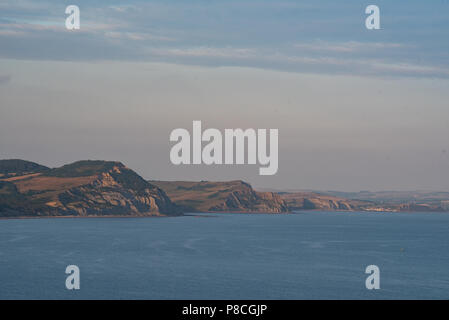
[322, 37]
[138, 36]
[293, 61]
[349, 46]
[209, 52]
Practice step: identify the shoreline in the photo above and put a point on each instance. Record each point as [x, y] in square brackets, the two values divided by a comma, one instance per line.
[212, 213]
[84, 217]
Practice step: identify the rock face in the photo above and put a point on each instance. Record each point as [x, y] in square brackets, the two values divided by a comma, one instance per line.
[230, 196]
[315, 201]
[387, 201]
[84, 188]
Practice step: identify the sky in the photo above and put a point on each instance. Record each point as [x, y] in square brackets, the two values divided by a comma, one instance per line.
[356, 109]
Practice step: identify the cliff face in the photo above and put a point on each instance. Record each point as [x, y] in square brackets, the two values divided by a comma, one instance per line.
[106, 188]
[84, 188]
[374, 201]
[110, 194]
[231, 196]
[314, 201]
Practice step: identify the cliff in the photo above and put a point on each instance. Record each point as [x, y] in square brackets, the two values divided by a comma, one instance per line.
[83, 188]
[108, 188]
[316, 201]
[368, 201]
[230, 196]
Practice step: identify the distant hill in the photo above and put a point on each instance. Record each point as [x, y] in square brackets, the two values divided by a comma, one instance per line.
[394, 197]
[17, 167]
[317, 201]
[83, 168]
[230, 196]
[83, 188]
[393, 201]
[108, 188]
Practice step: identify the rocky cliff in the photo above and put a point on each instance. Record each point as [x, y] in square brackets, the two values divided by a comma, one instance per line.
[230, 196]
[372, 201]
[315, 201]
[84, 188]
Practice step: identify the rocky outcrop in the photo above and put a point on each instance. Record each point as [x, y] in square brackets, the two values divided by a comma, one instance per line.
[381, 202]
[315, 201]
[86, 188]
[248, 200]
[106, 195]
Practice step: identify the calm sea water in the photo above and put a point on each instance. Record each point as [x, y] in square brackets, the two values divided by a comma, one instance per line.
[313, 255]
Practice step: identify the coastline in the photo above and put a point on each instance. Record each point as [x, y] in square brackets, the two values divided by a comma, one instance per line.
[85, 217]
[212, 213]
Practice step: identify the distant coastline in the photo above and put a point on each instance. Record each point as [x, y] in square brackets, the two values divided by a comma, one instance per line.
[95, 189]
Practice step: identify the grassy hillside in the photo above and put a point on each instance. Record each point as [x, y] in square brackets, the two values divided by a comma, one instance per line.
[228, 196]
[82, 168]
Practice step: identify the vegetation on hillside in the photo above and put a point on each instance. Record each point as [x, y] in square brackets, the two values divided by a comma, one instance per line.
[17, 167]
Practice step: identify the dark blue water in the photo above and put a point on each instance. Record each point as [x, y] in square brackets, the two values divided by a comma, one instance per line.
[313, 255]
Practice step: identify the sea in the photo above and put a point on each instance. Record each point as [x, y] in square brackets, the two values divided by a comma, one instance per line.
[301, 255]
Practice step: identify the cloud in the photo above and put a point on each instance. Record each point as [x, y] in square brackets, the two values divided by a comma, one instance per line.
[11, 33]
[348, 46]
[22, 28]
[291, 61]
[44, 26]
[410, 68]
[123, 8]
[22, 5]
[137, 36]
[206, 52]
[283, 36]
